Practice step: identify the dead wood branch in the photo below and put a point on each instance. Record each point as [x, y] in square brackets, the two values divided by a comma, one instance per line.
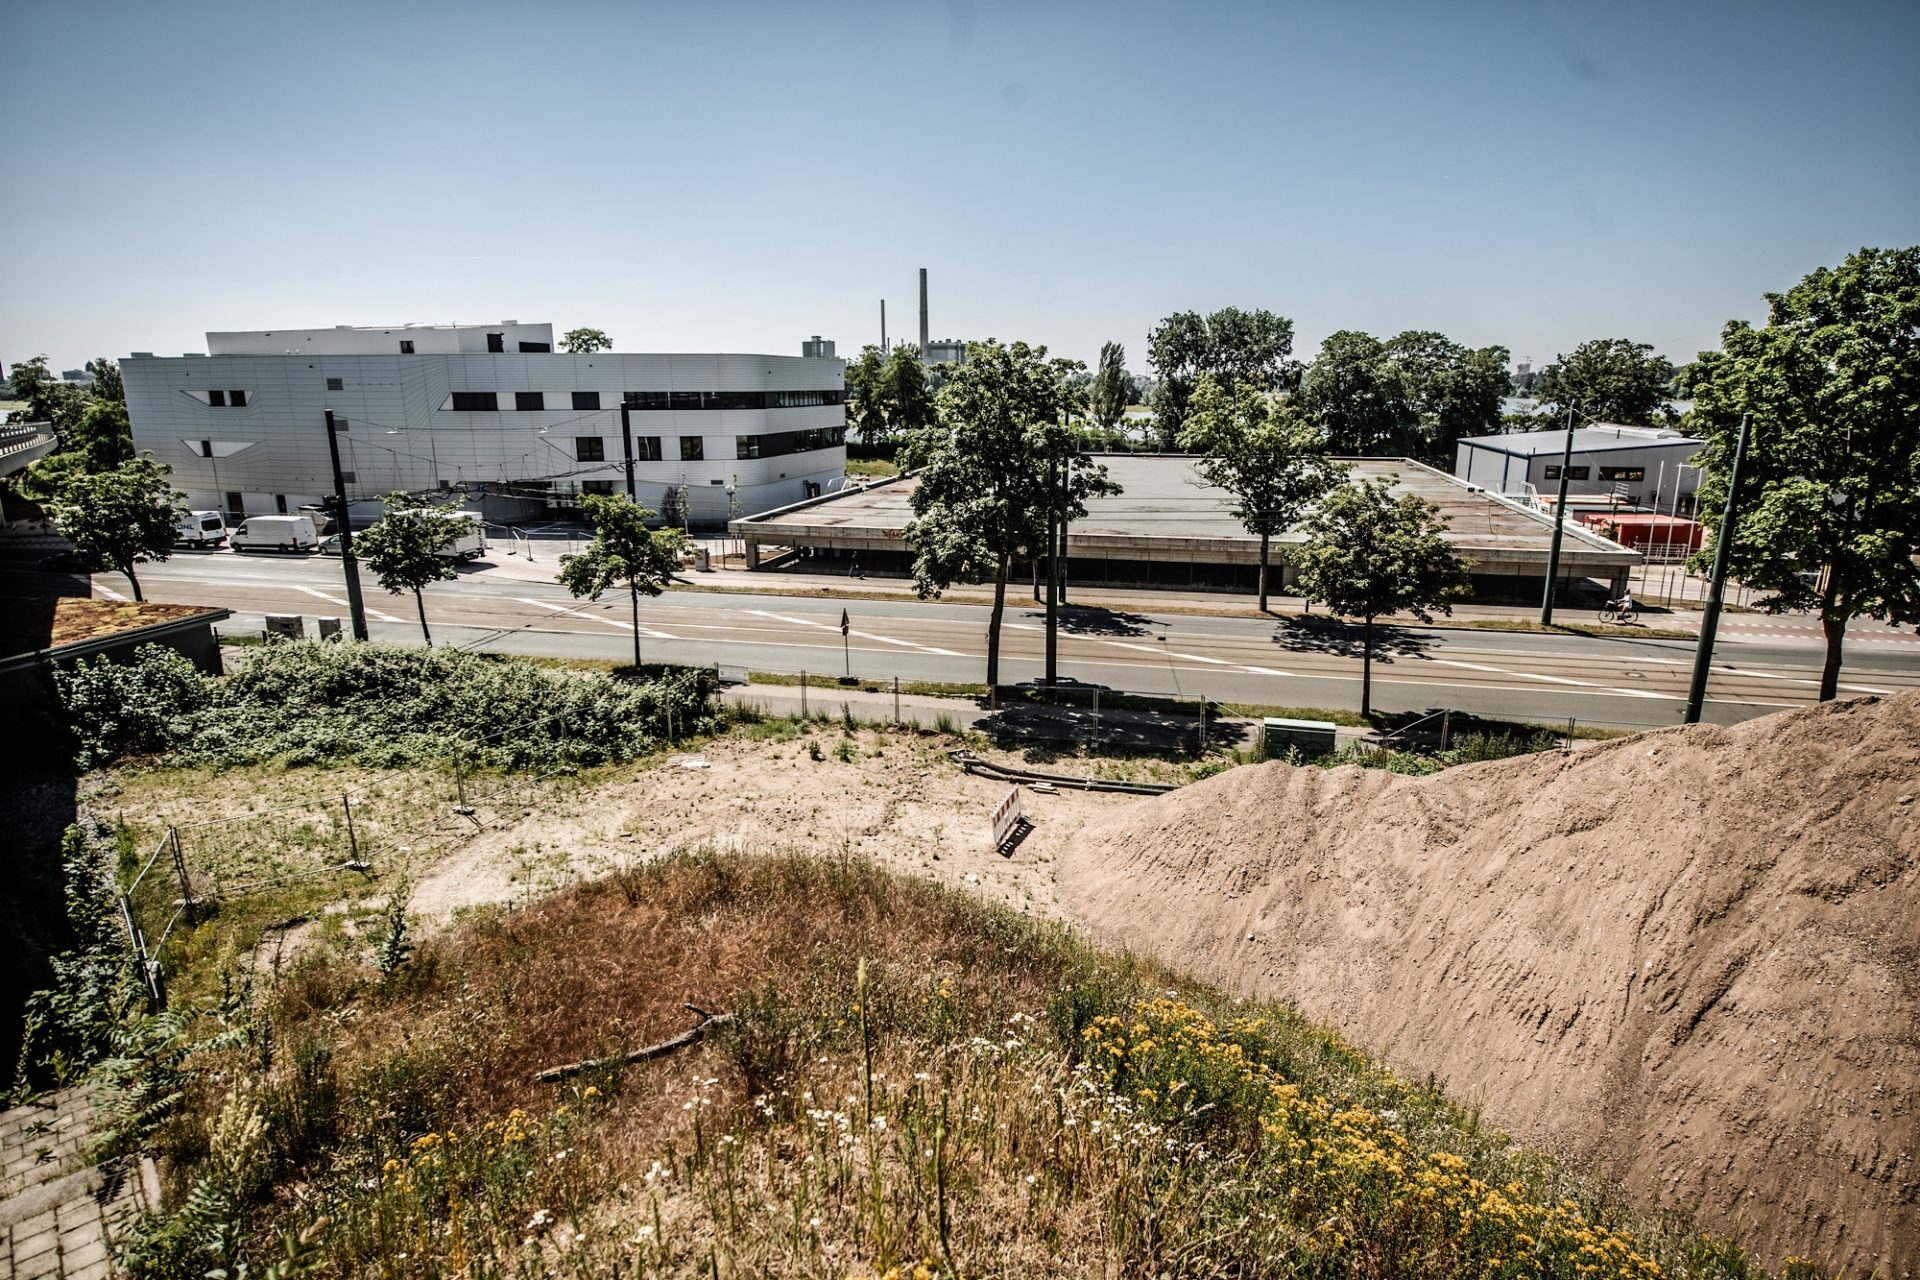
[692, 1035]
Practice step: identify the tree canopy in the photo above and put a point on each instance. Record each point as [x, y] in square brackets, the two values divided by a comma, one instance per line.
[404, 549]
[1608, 380]
[46, 397]
[996, 463]
[1112, 389]
[1369, 554]
[1455, 391]
[1250, 348]
[117, 519]
[624, 552]
[1262, 450]
[584, 342]
[1830, 485]
[866, 396]
[1358, 397]
[106, 383]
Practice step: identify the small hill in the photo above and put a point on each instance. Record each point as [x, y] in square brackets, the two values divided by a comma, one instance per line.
[1688, 955]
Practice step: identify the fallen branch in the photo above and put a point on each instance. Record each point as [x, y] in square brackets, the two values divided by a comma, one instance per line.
[692, 1035]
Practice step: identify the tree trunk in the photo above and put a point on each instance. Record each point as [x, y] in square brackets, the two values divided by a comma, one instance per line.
[993, 623]
[1366, 670]
[633, 594]
[134, 583]
[1833, 624]
[1266, 541]
[421, 601]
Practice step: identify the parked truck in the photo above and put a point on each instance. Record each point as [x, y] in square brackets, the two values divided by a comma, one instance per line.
[200, 529]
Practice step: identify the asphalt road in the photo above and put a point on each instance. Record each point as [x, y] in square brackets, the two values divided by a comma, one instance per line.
[1765, 664]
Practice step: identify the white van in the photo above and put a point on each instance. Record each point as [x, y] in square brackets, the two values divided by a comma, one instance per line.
[279, 533]
[200, 529]
[469, 545]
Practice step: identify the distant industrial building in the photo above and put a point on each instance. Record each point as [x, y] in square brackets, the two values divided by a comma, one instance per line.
[489, 410]
[817, 348]
[1170, 528]
[1647, 468]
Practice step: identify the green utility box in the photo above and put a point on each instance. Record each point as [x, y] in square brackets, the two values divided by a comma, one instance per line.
[1308, 735]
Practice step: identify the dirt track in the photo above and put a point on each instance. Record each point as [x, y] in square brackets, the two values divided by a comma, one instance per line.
[1690, 955]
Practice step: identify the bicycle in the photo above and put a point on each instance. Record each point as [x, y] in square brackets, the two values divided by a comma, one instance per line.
[1615, 612]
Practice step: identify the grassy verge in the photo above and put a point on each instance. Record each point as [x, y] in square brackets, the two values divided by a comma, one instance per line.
[914, 1084]
[879, 467]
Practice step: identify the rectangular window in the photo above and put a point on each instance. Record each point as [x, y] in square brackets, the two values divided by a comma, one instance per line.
[596, 486]
[535, 348]
[747, 446]
[589, 449]
[686, 399]
[336, 384]
[235, 505]
[1573, 473]
[1623, 473]
[586, 400]
[692, 448]
[339, 423]
[476, 402]
[529, 401]
[347, 477]
[646, 448]
[406, 346]
[237, 399]
[218, 399]
[497, 343]
[646, 399]
[206, 448]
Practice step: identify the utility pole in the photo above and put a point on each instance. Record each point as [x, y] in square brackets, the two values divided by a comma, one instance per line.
[1717, 586]
[626, 443]
[349, 567]
[1053, 578]
[1559, 526]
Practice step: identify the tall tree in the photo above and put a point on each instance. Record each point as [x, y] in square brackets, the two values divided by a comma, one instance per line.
[1251, 348]
[624, 552]
[117, 519]
[1000, 458]
[1108, 402]
[866, 396]
[1456, 391]
[101, 441]
[584, 342]
[1358, 397]
[46, 397]
[1608, 380]
[1263, 452]
[1369, 554]
[106, 383]
[905, 392]
[404, 550]
[1830, 485]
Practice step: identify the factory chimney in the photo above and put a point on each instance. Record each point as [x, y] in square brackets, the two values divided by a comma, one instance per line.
[883, 326]
[923, 313]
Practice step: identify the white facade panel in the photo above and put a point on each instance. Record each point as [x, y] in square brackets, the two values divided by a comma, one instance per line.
[401, 432]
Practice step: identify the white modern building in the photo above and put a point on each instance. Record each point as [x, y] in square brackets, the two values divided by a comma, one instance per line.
[489, 410]
[1649, 467]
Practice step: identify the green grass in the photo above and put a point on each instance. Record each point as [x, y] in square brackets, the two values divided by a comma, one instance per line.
[879, 467]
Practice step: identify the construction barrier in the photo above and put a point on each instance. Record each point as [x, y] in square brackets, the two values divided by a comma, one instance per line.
[1007, 818]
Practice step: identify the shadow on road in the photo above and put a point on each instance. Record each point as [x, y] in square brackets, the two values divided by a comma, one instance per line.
[1090, 620]
[1348, 639]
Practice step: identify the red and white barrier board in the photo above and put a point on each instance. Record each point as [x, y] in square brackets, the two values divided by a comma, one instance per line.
[1007, 817]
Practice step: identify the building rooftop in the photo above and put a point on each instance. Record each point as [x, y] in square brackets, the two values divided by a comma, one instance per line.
[1166, 504]
[1600, 436]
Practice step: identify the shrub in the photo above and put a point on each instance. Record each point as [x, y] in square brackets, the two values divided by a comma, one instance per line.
[117, 708]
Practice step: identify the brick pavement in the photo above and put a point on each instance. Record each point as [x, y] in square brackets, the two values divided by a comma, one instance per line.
[59, 1212]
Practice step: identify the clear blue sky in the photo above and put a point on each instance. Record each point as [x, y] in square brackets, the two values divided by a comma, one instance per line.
[738, 176]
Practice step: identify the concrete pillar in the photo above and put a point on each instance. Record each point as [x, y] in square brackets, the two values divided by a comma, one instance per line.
[753, 554]
[1619, 587]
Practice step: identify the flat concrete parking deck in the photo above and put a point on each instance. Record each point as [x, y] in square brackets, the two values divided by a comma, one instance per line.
[1168, 526]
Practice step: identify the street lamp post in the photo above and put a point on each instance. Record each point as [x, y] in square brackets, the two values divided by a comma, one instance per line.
[1559, 526]
[1717, 585]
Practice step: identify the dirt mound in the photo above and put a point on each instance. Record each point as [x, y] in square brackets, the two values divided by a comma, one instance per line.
[1689, 955]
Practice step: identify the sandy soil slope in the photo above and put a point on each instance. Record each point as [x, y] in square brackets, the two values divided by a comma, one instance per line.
[1690, 955]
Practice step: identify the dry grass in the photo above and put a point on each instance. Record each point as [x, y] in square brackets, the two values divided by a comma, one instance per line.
[918, 1084]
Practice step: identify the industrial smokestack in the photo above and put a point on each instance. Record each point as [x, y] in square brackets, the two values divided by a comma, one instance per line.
[923, 313]
[883, 326]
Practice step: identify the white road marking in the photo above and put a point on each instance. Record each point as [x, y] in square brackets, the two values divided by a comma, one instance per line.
[107, 591]
[864, 635]
[1534, 675]
[595, 617]
[371, 613]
